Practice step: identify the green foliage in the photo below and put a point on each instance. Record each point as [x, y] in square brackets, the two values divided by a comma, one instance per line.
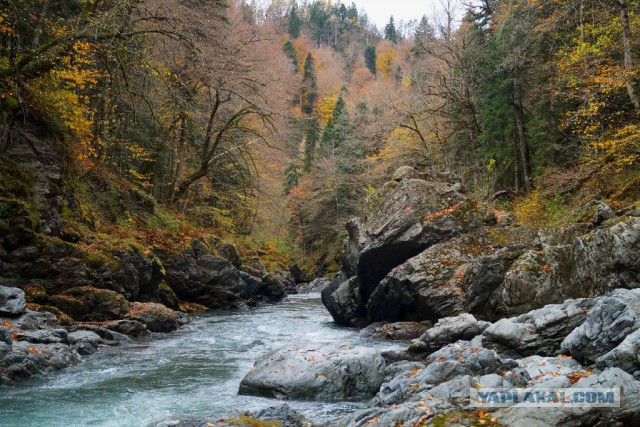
[390, 32]
[290, 51]
[371, 59]
[294, 22]
[309, 85]
[312, 138]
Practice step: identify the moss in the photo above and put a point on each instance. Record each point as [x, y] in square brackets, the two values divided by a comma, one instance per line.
[15, 180]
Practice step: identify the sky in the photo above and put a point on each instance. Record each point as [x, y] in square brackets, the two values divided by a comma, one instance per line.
[379, 11]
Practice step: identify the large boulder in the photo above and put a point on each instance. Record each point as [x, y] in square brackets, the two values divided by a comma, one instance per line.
[12, 301]
[429, 285]
[413, 215]
[611, 320]
[91, 304]
[319, 372]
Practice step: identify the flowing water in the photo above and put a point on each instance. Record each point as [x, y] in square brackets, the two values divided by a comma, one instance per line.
[196, 371]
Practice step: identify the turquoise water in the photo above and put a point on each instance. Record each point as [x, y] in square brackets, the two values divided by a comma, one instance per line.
[196, 371]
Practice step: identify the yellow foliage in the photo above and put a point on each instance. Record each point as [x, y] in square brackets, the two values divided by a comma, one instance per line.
[63, 93]
[530, 210]
[326, 106]
[384, 62]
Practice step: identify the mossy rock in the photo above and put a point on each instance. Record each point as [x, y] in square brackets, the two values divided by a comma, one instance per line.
[91, 304]
[63, 319]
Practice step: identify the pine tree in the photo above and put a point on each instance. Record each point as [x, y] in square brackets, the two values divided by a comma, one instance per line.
[295, 23]
[390, 31]
[370, 58]
[309, 85]
[290, 52]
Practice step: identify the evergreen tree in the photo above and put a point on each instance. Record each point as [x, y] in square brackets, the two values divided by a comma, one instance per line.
[309, 85]
[312, 139]
[295, 23]
[290, 52]
[334, 132]
[423, 35]
[370, 58]
[390, 31]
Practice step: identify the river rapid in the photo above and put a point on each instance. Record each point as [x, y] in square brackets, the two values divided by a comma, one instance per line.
[195, 371]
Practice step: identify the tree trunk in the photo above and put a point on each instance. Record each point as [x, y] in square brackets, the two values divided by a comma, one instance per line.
[41, 20]
[632, 87]
[525, 155]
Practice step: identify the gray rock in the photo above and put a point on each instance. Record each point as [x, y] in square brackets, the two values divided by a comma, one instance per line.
[448, 330]
[12, 302]
[625, 356]
[156, 317]
[75, 337]
[34, 320]
[44, 336]
[281, 415]
[453, 360]
[316, 373]
[606, 326]
[539, 331]
[403, 367]
[344, 303]
[5, 335]
[28, 359]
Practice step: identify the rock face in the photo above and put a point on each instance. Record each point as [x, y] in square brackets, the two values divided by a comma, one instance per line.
[344, 302]
[12, 302]
[316, 373]
[427, 286]
[574, 263]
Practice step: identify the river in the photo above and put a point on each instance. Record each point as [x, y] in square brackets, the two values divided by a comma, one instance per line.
[195, 371]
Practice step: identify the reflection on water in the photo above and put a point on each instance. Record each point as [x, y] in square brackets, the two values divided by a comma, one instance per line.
[196, 371]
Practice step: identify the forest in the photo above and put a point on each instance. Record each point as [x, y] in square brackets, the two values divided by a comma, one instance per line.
[280, 122]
